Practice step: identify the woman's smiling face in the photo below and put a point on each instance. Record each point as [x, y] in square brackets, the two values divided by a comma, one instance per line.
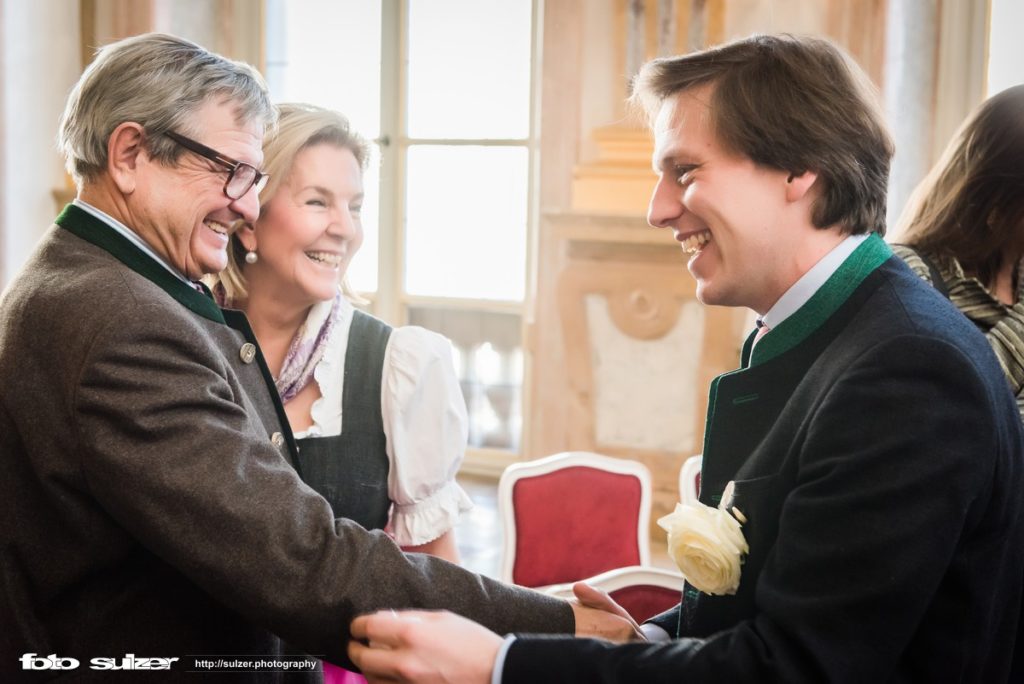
[309, 230]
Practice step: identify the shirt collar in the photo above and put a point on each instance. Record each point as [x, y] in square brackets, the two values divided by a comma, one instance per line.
[88, 227]
[810, 282]
[132, 237]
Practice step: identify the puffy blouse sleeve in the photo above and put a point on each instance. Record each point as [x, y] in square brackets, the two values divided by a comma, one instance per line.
[426, 427]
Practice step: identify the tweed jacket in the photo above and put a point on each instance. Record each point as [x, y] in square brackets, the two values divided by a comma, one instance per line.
[876, 454]
[148, 496]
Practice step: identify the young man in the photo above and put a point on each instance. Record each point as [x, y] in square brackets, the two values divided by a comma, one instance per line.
[869, 439]
[148, 492]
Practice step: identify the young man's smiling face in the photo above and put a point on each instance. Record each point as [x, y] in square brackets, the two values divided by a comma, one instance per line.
[743, 223]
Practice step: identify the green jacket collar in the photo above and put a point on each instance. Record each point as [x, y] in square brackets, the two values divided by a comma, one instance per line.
[871, 254]
[91, 229]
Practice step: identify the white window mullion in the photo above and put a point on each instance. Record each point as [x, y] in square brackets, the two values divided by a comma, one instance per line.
[390, 255]
[533, 217]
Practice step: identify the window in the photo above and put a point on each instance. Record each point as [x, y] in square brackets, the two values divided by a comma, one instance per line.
[444, 87]
[1005, 50]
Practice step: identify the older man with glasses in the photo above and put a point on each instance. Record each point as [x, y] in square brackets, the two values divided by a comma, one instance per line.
[152, 513]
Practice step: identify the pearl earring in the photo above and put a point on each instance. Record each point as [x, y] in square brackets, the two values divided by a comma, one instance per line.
[251, 257]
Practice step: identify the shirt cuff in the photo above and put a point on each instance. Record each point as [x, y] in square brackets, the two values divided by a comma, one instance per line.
[499, 660]
[654, 633]
[424, 521]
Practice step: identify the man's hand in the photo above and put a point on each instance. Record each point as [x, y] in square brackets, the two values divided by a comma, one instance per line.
[423, 646]
[598, 616]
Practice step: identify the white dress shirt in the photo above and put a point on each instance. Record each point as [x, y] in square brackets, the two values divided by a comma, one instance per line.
[810, 282]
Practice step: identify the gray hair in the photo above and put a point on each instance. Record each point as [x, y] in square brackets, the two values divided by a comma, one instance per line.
[158, 81]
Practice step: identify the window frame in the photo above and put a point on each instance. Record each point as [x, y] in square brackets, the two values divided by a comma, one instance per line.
[391, 301]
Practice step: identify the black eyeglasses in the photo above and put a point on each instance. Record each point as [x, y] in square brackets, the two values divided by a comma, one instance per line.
[241, 176]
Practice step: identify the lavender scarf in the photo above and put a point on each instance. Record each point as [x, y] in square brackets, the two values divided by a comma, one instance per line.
[307, 347]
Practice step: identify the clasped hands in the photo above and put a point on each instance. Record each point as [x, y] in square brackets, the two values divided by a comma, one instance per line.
[438, 646]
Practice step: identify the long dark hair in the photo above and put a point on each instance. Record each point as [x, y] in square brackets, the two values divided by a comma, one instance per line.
[971, 204]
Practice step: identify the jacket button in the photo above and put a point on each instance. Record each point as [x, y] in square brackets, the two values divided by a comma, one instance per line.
[277, 439]
[247, 352]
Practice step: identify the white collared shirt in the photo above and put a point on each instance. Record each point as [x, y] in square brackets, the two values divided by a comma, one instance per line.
[810, 282]
[131, 236]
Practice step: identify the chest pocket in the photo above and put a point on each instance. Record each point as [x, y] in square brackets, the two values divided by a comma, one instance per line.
[759, 502]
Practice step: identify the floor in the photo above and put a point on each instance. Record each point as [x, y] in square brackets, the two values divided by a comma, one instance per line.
[479, 532]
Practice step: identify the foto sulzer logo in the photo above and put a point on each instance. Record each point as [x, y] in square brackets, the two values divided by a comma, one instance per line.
[33, 661]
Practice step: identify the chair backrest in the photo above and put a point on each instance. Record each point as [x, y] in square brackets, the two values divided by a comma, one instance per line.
[642, 591]
[689, 479]
[573, 515]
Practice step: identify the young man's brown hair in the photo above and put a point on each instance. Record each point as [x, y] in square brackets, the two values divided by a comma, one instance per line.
[792, 103]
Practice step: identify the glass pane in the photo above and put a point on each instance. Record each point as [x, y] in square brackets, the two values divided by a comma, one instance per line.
[362, 270]
[1006, 50]
[488, 354]
[327, 53]
[466, 222]
[469, 68]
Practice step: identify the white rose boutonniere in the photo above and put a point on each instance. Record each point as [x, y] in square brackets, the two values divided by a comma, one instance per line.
[707, 544]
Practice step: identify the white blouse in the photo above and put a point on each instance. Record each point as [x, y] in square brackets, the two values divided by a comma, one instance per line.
[425, 425]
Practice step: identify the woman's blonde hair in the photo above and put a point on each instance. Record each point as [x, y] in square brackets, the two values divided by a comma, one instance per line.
[299, 126]
[970, 206]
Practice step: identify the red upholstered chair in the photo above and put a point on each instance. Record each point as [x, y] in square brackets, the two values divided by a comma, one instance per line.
[643, 592]
[573, 515]
[689, 479]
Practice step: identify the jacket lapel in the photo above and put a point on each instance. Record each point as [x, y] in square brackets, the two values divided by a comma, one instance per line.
[745, 403]
[237, 320]
[92, 230]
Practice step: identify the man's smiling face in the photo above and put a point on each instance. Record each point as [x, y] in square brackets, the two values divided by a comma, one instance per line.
[729, 213]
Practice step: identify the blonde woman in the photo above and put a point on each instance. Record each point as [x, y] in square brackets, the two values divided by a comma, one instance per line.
[377, 411]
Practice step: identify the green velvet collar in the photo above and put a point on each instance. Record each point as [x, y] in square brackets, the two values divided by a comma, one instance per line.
[86, 226]
[868, 256]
